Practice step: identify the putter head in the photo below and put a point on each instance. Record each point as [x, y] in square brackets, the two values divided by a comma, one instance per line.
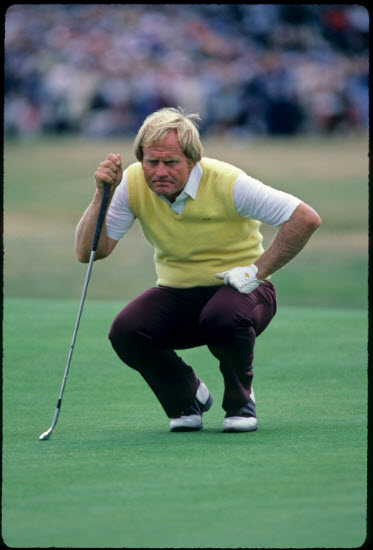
[45, 436]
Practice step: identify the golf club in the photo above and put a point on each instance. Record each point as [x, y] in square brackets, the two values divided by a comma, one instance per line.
[100, 219]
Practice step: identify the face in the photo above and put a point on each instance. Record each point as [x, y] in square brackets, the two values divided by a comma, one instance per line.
[166, 168]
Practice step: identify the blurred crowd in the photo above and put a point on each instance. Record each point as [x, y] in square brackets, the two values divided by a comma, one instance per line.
[255, 69]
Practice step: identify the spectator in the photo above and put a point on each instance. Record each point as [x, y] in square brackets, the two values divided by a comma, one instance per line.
[100, 69]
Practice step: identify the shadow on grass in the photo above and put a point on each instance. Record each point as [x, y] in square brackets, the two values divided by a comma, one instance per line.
[268, 432]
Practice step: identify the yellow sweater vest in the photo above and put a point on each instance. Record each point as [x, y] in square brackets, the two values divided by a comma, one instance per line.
[206, 238]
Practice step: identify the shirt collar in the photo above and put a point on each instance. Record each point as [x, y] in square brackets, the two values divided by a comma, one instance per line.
[192, 184]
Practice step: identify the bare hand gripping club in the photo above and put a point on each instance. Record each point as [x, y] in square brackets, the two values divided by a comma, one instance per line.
[100, 220]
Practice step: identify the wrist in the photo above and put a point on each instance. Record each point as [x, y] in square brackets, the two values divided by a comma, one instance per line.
[97, 197]
[260, 272]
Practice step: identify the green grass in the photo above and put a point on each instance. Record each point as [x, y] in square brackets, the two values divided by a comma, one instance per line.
[113, 476]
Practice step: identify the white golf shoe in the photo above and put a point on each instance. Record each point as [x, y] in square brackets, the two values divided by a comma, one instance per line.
[191, 418]
[243, 419]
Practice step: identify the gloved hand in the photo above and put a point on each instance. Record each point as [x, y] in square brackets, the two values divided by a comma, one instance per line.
[241, 278]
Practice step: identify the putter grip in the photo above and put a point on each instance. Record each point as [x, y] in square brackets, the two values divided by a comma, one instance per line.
[101, 216]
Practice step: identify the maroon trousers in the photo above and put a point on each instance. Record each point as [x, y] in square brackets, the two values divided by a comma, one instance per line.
[163, 319]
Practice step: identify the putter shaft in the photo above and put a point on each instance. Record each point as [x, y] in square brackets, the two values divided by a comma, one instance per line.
[101, 216]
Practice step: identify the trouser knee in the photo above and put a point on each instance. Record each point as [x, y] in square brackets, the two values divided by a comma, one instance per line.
[115, 334]
[124, 339]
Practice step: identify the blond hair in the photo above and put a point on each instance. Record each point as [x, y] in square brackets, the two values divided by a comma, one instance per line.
[156, 126]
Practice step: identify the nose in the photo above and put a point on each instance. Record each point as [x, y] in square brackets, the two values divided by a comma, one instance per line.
[161, 170]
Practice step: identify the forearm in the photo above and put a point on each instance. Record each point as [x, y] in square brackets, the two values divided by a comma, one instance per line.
[85, 232]
[291, 238]
[109, 172]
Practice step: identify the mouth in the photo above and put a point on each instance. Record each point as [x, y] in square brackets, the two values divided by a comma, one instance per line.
[162, 183]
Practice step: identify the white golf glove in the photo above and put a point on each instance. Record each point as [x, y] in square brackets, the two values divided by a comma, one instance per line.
[241, 278]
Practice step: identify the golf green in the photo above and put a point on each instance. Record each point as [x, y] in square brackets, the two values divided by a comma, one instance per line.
[112, 475]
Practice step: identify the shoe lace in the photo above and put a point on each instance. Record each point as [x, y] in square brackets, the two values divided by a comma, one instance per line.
[193, 408]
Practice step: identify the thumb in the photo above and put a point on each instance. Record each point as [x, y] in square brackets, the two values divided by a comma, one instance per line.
[221, 275]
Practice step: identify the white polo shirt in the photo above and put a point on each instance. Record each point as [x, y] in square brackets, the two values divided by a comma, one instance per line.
[251, 198]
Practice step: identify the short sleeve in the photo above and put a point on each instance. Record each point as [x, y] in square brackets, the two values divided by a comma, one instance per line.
[253, 199]
[119, 217]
